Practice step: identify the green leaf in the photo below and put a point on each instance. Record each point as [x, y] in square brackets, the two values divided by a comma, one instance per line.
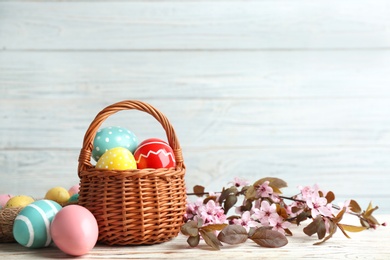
[193, 241]
[190, 228]
[266, 237]
[211, 239]
[233, 234]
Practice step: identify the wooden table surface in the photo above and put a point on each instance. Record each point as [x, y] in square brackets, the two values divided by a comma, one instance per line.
[372, 244]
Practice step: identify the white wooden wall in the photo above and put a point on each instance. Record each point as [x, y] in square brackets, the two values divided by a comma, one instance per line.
[296, 89]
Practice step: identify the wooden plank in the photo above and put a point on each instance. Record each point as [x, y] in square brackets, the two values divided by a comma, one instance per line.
[177, 75]
[62, 123]
[362, 245]
[360, 174]
[191, 25]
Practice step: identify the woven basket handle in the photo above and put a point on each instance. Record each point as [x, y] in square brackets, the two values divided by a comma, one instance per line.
[86, 150]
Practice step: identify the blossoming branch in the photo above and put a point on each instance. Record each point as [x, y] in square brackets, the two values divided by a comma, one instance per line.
[265, 216]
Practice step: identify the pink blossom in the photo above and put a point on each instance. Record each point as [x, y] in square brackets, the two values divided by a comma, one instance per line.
[238, 182]
[345, 206]
[319, 206]
[279, 224]
[192, 209]
[265, 213]
[263, 190]
[246, 221]
[211, 213]
[295, 204]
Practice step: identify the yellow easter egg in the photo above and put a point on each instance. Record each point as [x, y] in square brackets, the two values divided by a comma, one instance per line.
[118, 158]
[58, 194]
[19, 201]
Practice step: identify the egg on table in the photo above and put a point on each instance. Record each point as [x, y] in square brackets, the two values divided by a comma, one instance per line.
[111, 137]
[4, 198]
[118, 158]
[154, 153]
[74, 230]
[58, 194]
[74, 189]
[19, 201]
[32, 225]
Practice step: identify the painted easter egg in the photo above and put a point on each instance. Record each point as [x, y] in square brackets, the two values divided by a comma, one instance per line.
[32, 224]
[154, 153]
[74, 189]
[74, 198]
[111, 137]
[74, 230]
[118, 158]
[58, 194]
[19, 201]
[4, 198]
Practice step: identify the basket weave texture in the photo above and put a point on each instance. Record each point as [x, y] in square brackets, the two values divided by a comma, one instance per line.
[7, 218]
[133, 207]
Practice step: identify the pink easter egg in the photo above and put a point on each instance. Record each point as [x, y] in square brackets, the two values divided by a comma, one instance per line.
[74, 230]
[154, 153]
[74, 189]
[4, 199]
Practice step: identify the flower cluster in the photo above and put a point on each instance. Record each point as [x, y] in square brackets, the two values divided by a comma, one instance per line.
[265, 216]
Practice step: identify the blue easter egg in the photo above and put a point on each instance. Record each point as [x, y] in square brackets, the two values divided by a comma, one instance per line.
[112, 137]
[74, 198]
[32, 224]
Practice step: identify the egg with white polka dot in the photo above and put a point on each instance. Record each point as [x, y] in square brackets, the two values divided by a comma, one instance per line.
[118, 158]
[111, 137]
[32, 225]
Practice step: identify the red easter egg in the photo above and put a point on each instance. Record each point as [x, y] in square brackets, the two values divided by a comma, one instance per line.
[154, 153]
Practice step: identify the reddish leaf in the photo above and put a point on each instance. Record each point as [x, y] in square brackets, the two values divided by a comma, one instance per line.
[351, 228]
[321, 229]
[250, 193]
[211, 239]
[193, 241]
[330, 197]
[190, 228]
[355, 207]
[268, 238]
[213, 227]
[233, 234]
[229, 202]
[312, 228]
[332, 230]
[198, 190]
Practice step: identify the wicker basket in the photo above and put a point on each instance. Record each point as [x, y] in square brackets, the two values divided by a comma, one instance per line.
[7, 218]
[133, 207]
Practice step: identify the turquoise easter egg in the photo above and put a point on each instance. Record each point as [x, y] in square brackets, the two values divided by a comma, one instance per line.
[32, 224]
[112, 137]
